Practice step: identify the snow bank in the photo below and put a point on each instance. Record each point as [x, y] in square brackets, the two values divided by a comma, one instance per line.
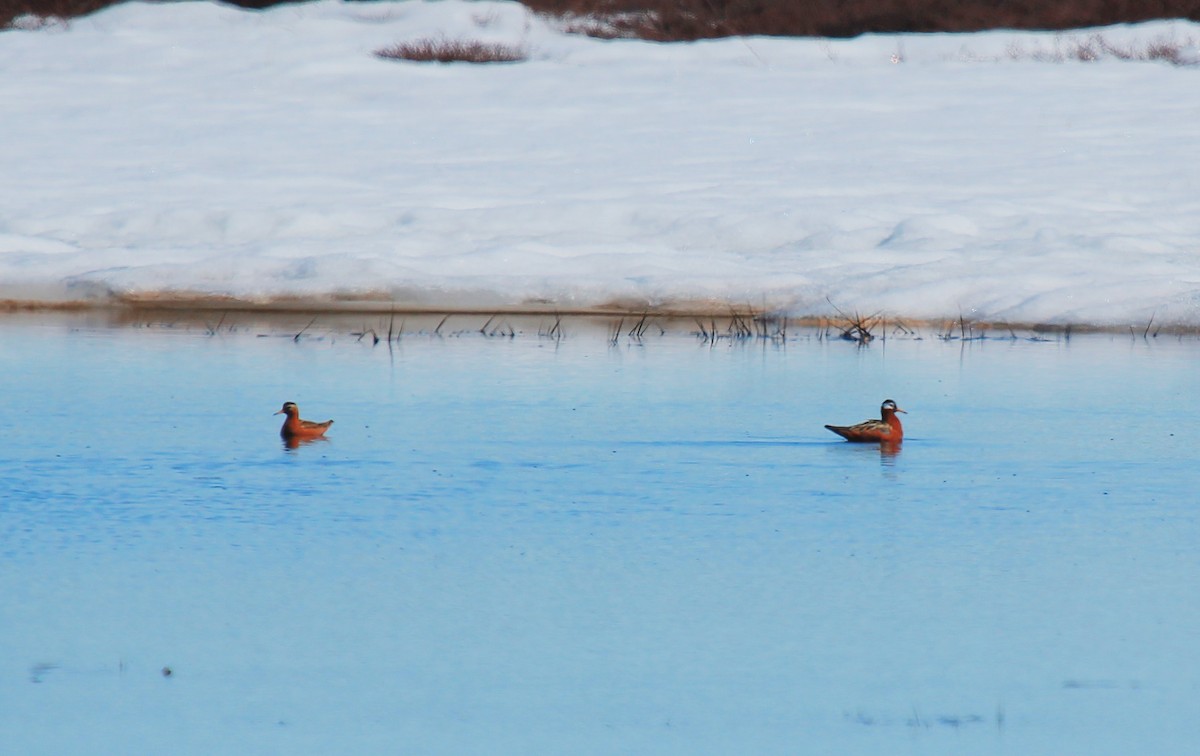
[192, 149]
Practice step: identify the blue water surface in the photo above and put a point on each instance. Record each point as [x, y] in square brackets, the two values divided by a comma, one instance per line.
[569, 545]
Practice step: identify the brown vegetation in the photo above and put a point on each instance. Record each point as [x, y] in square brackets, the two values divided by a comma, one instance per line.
[11, 10]
[452, 51]
[673, 20]
[670, 20]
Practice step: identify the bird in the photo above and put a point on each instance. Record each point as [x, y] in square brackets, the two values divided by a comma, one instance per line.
[296, 429]
[885, 430]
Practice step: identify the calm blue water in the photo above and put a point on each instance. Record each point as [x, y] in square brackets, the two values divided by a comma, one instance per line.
[528, 545]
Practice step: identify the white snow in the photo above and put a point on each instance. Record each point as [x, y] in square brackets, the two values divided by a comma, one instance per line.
[195, 149]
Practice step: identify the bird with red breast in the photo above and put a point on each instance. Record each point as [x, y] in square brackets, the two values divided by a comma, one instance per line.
[295, 429]
[887, 429]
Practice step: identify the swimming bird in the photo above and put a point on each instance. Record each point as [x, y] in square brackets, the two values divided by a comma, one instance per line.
[295, 428]
[886, 430]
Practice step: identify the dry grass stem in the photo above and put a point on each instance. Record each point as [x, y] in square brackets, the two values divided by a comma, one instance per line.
[439, 50]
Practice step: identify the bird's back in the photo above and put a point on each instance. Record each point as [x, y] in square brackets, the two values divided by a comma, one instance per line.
[868, 430]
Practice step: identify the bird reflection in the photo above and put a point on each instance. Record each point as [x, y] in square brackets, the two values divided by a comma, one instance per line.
[888, 453]
[295, 442]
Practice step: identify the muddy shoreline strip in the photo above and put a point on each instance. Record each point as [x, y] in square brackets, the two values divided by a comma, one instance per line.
[704, 316]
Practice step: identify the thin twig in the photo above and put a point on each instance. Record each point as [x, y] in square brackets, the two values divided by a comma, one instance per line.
[296, 338]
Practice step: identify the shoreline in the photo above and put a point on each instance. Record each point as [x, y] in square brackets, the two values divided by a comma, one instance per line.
[698, 316]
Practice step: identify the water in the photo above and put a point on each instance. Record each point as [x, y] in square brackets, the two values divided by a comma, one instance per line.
[567, 546]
